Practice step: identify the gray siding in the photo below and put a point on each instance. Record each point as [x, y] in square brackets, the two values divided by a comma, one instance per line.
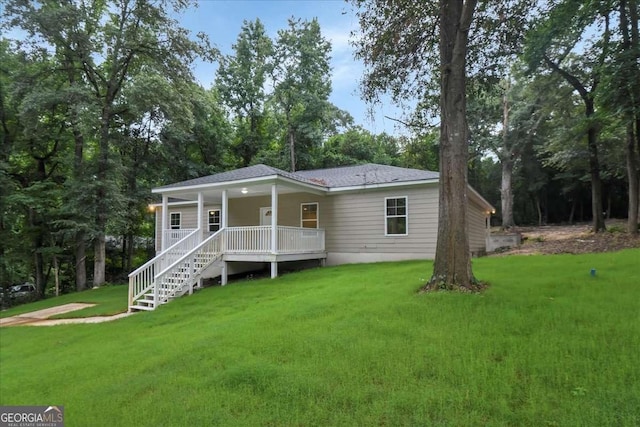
[355, 223]
[477, 230]
[244, 212]
[188, 218]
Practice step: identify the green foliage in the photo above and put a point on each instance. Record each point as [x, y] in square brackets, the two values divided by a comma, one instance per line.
[357, 146]
[241, 80]
[355, 345]
[302, 86]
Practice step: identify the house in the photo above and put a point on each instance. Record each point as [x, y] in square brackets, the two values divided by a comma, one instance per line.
[234, 221]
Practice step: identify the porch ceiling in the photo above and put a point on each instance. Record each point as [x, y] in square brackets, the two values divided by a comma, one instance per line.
[235, 191]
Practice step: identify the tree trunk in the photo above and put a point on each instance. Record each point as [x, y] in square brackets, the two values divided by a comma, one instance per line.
[629, 31]
[102, 205]
[572, 212]
[99, 260]
[80, 243]
[81, 262]
[452, 265]
[594, 169]
[506, 193]
[292, 150]
[38, 259]
[538, 210]
[634, 183]
[507, 161]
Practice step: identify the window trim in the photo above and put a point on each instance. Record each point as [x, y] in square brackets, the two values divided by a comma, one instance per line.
[317, 215]
[179, 215]
[405, 216]
[209, 224]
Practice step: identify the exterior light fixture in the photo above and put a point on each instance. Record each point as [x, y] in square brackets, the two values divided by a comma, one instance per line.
[244, 191]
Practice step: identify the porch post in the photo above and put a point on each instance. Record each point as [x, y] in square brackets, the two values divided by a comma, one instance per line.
[200, 215]
[225, 208]
[224, 275]
[165, 220]
[274, 229]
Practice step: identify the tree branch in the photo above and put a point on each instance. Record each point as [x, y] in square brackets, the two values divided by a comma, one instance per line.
[573, 80]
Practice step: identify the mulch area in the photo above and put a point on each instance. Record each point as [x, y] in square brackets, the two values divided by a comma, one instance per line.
[572, 239]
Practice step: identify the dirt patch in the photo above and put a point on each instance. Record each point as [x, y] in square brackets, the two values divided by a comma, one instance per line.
[41, 317]
[571, 239]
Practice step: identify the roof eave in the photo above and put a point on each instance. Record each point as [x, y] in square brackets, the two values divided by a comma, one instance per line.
[382, 185]
[482, 200]
[239, 183]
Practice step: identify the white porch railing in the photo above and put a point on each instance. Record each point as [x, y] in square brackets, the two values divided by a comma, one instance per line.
[295, 240]
[248, 240]
[171, 237]
[257, 239]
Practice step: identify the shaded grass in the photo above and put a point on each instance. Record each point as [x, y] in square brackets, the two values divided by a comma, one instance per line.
[546, 344]
[109, 300]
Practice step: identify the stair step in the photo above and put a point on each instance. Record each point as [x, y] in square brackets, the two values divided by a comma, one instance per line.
[141, 307]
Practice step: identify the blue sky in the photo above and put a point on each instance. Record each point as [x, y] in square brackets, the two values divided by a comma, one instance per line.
[222, 21]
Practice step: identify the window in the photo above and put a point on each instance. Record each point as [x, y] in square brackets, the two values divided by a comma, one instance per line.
[174, 222]
[214, 220]
[309, 215]
[396, 216]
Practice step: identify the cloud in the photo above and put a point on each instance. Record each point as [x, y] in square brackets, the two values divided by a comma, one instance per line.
[339, 38]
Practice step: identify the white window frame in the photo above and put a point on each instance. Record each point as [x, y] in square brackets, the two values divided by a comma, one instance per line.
[171, 215]
[302, 205]
[405, 216]
[219, 223]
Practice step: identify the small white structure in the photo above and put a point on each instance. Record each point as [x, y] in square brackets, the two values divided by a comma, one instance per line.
[231, 221]
[497, 241]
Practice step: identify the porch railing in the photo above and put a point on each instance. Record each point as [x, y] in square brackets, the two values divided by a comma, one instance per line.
[300, 240]
[171, 237]
[257, 239]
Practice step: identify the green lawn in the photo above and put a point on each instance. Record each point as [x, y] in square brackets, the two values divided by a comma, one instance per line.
[545, 345]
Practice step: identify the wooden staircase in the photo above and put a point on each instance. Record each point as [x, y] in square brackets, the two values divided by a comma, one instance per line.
[174, 272]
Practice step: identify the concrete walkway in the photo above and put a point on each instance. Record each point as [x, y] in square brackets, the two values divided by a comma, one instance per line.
[41, 317]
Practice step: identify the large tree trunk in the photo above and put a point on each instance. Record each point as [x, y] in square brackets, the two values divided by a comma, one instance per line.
[452, 265]
[507, 161]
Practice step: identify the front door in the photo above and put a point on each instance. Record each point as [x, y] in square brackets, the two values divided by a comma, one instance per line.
[265, 216]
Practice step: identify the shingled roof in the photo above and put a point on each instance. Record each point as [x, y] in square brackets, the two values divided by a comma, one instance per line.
[368, 174]
[345, 176]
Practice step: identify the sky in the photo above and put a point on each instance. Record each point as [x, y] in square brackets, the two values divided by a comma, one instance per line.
[222, 21]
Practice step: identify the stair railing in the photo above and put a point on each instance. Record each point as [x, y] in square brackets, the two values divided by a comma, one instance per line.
[186, 270]
[142, 279]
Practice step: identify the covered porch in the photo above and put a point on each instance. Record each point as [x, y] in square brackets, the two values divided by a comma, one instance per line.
[249, 217]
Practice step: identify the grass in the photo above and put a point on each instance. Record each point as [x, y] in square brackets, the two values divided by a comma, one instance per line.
[545, 345]
[109, 300]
